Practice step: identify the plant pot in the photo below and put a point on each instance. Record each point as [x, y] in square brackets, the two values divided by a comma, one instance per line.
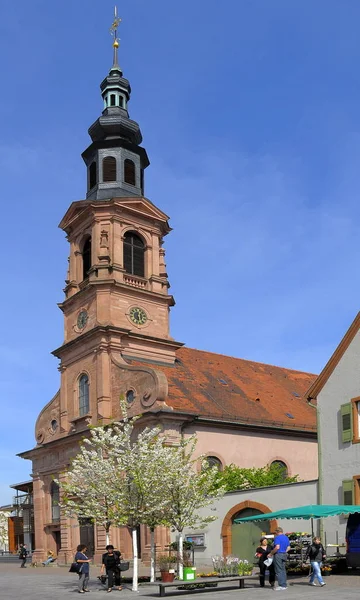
[167, 577]
[189, 573]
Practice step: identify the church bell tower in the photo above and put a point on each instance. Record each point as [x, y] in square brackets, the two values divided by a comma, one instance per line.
[117, 297]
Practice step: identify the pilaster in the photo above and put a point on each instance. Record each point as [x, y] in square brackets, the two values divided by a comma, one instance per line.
[39, 520]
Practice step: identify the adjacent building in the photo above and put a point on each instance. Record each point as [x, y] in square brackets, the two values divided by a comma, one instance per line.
[336, 395]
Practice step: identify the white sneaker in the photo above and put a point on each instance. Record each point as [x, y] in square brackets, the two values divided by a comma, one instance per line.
[323, 583]
[278, 588]
[313, 583]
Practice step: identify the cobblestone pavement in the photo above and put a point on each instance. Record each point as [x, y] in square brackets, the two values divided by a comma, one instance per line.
[57, 583]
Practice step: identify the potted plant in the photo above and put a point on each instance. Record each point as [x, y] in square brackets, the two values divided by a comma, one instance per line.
[189, 571]
[166, 564]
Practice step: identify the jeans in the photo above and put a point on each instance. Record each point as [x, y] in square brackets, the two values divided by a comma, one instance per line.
[83, 581]
[280, 559]
[316, 572]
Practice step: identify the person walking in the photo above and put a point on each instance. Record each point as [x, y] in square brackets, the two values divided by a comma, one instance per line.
[279, 552]
[23, 555]
[84, 573]
[262, 553]
[111, 564]
[316, 554]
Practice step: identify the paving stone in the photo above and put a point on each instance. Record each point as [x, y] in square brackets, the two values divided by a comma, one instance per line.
[58, 584]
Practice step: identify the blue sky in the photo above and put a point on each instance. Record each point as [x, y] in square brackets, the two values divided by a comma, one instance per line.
[250, 115]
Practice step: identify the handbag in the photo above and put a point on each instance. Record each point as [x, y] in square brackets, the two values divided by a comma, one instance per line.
[124, 565]
[75, 567]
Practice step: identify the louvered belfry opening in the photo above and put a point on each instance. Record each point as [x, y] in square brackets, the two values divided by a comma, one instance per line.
[86, 256]
[92, 175]
[129, 171]
[109, 168]
[134, 254]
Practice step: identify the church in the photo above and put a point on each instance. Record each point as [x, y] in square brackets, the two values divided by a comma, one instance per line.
[117, 344]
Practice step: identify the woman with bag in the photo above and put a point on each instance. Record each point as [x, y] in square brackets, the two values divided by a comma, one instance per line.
[84, 571]
[262, 553]
[111, 564]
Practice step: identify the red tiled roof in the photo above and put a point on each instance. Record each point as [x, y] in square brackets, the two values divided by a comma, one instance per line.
[234, 389]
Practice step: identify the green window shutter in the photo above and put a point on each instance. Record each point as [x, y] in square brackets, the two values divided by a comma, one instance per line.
[348, 491]
[346, 422]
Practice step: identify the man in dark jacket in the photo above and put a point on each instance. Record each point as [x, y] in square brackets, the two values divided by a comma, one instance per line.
[111, 564]
[316, 554]
[23, 555]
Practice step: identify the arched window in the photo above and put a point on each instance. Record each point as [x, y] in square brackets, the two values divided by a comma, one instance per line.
[129, 171]
[83, 395]
[92, 175]
[134, 254]
[281, 467]
[121, 101]
[55, 500]
[112, 100]
[109, 168]
[86, 256]
[214, 461]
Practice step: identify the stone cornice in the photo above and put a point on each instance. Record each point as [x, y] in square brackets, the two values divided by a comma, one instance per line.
[112, 283]
[108, 330]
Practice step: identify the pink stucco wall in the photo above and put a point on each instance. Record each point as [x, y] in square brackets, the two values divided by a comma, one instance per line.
[257, 449]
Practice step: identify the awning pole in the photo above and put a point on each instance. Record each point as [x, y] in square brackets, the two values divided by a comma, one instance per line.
[312, 528]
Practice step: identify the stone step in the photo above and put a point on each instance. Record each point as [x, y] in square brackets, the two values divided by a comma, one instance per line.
[9, 558]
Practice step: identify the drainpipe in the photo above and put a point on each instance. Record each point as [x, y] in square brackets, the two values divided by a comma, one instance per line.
[187, 424]
[320, 465]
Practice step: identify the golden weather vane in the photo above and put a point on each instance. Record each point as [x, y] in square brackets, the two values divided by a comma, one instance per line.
[113, 32]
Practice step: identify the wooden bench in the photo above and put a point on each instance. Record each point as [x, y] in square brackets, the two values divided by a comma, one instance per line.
[203, 580]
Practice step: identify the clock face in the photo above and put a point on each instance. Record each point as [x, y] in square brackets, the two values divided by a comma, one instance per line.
[138, 315]
[82, 319]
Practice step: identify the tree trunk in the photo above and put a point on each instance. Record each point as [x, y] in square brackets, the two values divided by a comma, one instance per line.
[107, 531]
[181, 554]
[152, 556]
[135, 558]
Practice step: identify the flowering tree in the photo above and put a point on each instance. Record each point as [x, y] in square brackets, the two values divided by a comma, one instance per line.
[117, 479]
[4, 539]
[86, 490]
[139, 487]
[188, 490]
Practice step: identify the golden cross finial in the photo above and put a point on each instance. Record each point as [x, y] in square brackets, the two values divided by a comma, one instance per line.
[113, 32]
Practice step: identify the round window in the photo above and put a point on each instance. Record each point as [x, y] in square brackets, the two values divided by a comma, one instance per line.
[130, 396]
[54, 424]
